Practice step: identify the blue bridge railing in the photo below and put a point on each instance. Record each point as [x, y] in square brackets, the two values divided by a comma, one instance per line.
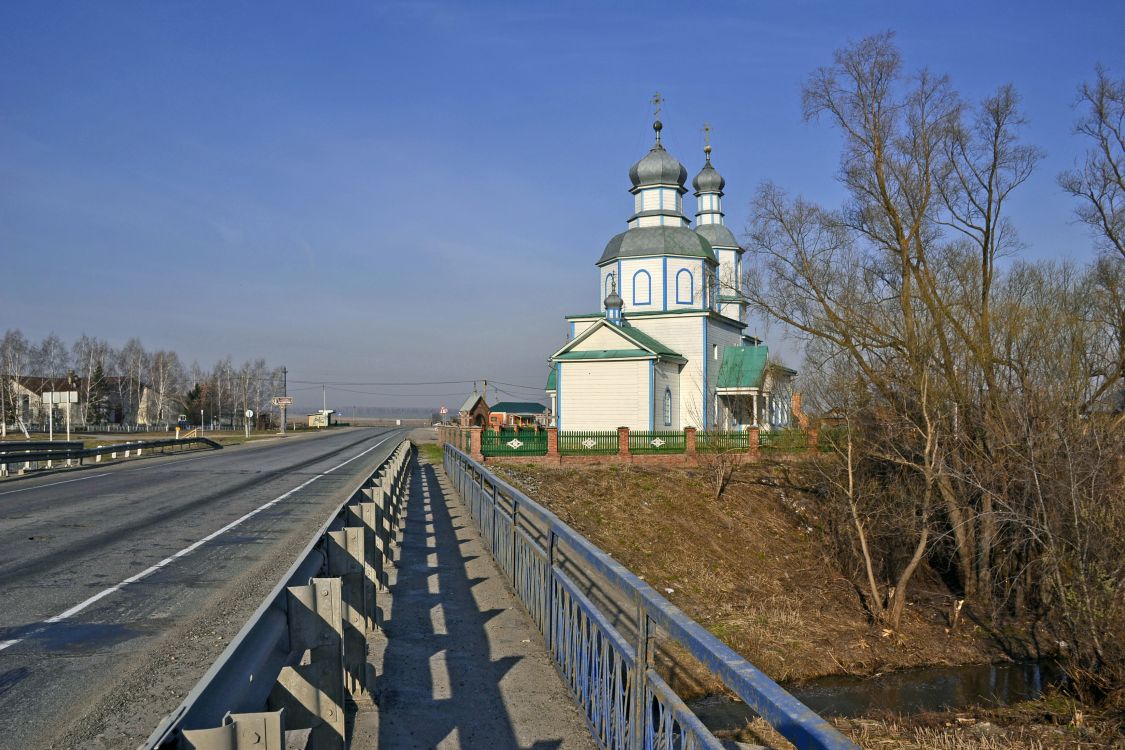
[604, 626]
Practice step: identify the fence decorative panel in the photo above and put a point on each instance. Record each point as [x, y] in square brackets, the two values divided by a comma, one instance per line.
[513, 443]
[656, 441]
[584, 443]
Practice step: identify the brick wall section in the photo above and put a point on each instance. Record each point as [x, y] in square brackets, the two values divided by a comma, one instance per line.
[689, 441]
[755, 442]
[552, 442]
[623, 441]
[474, 444]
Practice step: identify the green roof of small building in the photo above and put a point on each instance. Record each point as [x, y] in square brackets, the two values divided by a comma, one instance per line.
[607, 354]
[743, 366]
[552, 381]
[519, 407]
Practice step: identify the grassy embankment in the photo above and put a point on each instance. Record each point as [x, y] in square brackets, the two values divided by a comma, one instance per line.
[752, 568]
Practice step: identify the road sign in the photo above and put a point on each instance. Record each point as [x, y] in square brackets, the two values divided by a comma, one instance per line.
[60, 397]
[249, 413]
[282, 400]
[443, 410]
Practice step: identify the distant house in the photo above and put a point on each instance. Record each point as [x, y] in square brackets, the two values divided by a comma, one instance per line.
[474, 412]
[518, 414]
[26, 398]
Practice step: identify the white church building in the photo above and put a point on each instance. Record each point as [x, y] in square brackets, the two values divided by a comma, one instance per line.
[668, 348]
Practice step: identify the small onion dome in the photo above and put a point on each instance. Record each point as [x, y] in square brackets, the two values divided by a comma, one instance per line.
[658, 167]
[613, 299]
[708, 180]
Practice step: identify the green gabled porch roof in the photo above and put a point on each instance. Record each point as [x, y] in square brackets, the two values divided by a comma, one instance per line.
[743, 366]
[552, 381]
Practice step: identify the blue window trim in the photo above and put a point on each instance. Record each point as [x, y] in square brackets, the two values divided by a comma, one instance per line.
[651, 394]
[667, 406]
[691, 287]
[605, 288]
[648, 297]
[664, 282]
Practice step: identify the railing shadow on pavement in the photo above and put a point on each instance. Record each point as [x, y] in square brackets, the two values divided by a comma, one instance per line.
[439, 681]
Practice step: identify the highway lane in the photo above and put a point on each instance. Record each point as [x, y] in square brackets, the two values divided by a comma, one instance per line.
[119, 586]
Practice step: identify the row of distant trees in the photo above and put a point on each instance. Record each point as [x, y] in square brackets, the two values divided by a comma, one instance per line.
[134, 383]
[983, 394]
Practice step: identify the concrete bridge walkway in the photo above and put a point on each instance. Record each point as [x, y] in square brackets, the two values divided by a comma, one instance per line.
[460, 663]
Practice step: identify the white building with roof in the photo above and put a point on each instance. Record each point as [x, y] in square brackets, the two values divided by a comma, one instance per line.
[668, 348]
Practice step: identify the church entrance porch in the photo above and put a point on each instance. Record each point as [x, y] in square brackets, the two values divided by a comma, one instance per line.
[745, 408]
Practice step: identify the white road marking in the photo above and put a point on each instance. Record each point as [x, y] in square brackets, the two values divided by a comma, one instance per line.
[185, 551]
[53, 484]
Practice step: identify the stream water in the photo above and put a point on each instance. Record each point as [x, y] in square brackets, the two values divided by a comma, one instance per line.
[907, 691]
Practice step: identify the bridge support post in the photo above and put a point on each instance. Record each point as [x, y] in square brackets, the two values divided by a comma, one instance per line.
[312, 691]
[260, 731]
[345, 561]
[639, 712]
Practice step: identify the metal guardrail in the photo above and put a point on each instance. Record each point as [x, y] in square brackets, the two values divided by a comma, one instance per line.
[48, 453]
[604, 642]
[291, 667]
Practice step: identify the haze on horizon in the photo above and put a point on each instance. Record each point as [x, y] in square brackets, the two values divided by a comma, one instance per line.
[416, 193]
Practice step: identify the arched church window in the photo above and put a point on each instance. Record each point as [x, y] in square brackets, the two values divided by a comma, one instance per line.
[685, 287]
[667, 406]
[642, 288]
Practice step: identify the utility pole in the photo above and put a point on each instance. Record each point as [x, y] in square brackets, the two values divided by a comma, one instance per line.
[323, 399]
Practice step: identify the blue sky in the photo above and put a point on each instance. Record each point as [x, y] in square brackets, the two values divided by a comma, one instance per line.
[408, 192]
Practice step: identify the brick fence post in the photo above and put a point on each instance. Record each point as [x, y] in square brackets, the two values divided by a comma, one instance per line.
[812, 440]
[623, 441]
[474, 444]
[552, 441]
[689, 441]
[755, 441]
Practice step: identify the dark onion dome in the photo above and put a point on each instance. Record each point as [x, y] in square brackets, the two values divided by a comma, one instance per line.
[613, 299]
[667, 240]
[658, 167]
[718, 235]
[708, 180]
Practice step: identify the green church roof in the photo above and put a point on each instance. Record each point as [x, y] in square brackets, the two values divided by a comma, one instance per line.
[552, 381]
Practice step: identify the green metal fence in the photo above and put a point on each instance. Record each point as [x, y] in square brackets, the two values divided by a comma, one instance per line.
[831, 439]
[783, 441]
[513, 443]
[715, 442]
[586, 443]
[656, 441]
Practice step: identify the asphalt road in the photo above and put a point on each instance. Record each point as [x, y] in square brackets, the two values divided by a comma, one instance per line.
[120, 585]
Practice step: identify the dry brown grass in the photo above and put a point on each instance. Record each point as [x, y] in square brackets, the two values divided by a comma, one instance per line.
[750, 566]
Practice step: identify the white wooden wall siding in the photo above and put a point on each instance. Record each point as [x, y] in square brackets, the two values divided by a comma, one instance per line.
[605, 395]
